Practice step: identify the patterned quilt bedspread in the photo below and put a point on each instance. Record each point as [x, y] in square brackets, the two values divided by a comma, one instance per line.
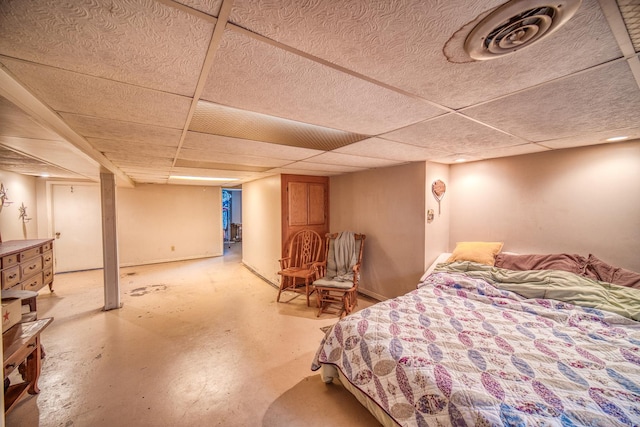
[460, 351]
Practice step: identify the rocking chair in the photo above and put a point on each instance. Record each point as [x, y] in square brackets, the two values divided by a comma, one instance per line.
[339, 272]
[305, 248]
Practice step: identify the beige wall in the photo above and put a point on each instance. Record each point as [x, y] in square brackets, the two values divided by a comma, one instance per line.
[262, 227]
[582, 200]
[388, 205]
[436, 239]
[20, 189]
[158, 223]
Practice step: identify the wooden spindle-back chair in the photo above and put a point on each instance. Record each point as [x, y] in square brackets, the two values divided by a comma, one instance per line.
[296, 269]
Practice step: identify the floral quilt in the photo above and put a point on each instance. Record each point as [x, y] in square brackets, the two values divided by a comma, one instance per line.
[460, 351]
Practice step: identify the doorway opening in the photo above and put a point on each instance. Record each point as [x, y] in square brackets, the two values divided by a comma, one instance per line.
[232, 220]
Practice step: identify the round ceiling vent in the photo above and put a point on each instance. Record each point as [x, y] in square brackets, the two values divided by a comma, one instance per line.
[516, 25]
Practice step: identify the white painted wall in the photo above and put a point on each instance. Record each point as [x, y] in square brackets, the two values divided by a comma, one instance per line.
[158, 223]
[388, 205]
[581, 200]
[262, 227]
[20, 189]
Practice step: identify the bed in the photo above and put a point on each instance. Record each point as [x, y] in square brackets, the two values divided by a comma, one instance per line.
[480, 345]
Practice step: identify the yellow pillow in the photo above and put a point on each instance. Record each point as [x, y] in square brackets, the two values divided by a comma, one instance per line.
[480, 252]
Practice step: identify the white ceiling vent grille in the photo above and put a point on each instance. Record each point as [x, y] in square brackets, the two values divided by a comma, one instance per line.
[516, 25]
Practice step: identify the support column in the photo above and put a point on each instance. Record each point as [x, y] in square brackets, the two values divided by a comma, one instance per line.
[111, 260]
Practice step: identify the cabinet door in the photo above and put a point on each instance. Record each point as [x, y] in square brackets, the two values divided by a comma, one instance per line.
[305, 204]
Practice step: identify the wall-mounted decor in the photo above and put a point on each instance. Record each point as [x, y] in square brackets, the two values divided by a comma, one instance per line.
[438, 188]
[23, 213]
[4, 197]
[429, 216]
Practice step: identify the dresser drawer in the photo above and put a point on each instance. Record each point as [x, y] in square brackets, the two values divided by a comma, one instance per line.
[15, 359]
[30, 267]
[47, 275]
[33, 283]
[47, 259]
[29, 253]
[9, 260]
[47, 246]
[10, 276]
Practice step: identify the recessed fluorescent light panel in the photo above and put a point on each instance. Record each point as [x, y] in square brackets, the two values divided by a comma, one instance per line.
[617, 138]
[201, 178]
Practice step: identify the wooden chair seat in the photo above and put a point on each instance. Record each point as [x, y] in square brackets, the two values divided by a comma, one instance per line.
[332, 284]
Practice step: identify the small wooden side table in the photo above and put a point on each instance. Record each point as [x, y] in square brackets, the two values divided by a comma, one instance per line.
[21, 344]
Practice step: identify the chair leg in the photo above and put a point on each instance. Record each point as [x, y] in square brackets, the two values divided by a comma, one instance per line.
[318, 302]
[283, 283]
[306, 290]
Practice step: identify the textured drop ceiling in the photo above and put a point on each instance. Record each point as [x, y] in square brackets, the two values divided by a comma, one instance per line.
[250, 88]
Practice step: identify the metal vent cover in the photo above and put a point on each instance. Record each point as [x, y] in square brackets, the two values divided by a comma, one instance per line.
[516, 25]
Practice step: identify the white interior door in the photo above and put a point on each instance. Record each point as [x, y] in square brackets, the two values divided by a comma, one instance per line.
[77, 226]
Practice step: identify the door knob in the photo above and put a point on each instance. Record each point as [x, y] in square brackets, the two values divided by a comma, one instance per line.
[58, 235]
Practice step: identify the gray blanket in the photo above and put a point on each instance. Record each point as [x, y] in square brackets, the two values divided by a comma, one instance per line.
[345, 256]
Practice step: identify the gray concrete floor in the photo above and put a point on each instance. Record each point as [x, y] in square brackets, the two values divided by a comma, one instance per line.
[200, 342]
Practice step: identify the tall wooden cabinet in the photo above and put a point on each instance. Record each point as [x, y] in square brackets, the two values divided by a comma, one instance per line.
[26, 264]
[305, 205]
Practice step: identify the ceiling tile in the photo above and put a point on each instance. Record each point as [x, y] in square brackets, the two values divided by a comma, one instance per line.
[593, 138]
[405, 44]
[131, 148]
[142, 170]
[66, 91]
[224, 144]
[211, 7]
[385, 149]
[294, 171]
[221, 120]
[453, 133]
[95, 127]
[280, 83]
[148, 179]
[340, 159]
[126, 159]
[212, 172]
[213, 165]
[309, 166]
[515, 150]
[565, 107]
[144, 43]
[237, 159]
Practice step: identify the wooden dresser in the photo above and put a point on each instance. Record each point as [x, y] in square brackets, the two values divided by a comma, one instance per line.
[26, 264]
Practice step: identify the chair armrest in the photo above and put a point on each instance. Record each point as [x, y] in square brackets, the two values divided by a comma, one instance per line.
[284, 262]
[356, 274]
[319, 268]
